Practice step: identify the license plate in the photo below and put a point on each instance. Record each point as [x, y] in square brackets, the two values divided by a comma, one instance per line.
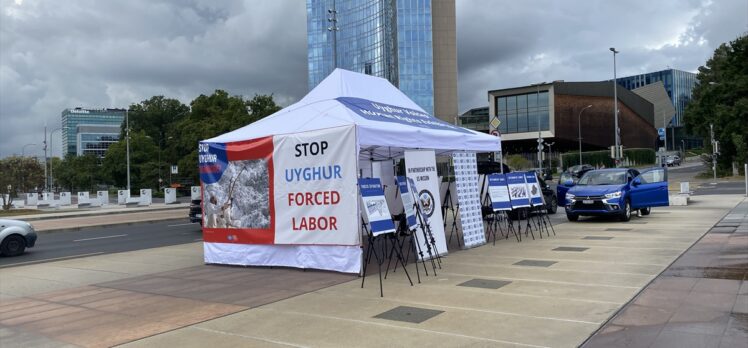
[588, 201]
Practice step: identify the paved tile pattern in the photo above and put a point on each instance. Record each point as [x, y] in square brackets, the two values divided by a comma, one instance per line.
[577, 249]
[701, 300]
[597, 238]
[409, 314]
[485, 283]
[535, 263]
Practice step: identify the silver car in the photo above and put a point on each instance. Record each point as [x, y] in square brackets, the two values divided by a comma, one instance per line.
[15, 237]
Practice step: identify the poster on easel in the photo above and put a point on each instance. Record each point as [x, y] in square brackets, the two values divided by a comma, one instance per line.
[518, 193]
[406, 196]
[499, 192]
[468, 196]
[533, 187]
[420, 166]
[375, 206]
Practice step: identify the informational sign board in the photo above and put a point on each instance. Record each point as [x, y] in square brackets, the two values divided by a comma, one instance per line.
[375, 207]
[195, 193]
[65, 198]
[499, 192]
[408, 200]
[122, 196]
[146, 197]
[536, 195]
[84, 198]
[32, 198]
[103, 197]
[170, 195]
[174, 169]
[420, 166]
[468, 198]
[518, 192]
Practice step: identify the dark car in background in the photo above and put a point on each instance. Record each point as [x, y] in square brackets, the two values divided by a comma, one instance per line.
[572, 174]
[196, 211]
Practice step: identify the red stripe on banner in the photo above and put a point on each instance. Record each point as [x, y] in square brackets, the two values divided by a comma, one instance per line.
[239, 235]
[239, 151]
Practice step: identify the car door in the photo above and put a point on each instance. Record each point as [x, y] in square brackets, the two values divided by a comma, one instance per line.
[561, 188]
[649, 189]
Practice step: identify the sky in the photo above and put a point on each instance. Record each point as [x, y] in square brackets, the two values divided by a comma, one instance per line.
[101, 54]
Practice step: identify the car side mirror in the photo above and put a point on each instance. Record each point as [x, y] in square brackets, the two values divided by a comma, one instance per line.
[636, 182]
[569, 183]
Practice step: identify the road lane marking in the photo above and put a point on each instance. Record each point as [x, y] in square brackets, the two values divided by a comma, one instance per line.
[52, 259]
[189, 223]
[85, 239]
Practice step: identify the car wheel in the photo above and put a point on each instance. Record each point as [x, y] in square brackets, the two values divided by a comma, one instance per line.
[626, 214]
[572, 217]
[553, 205]
[646, 211]
[13, 245]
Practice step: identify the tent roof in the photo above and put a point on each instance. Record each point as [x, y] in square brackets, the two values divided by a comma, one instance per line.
[387, 120]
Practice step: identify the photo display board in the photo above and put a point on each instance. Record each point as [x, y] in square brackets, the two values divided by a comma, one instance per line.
[518, 192]
[468, 198]
[499, 192]
[420, 166]
[536, 195]
[406, 195]
[375, 206]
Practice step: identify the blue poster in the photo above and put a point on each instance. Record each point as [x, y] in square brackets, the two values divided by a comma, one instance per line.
[375, 206]
[518, 193]
[536, 196]
[499, 192]
[408, 202]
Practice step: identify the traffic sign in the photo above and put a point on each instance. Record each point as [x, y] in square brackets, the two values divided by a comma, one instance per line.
[495, 122]
[495, 133]
[174, 169]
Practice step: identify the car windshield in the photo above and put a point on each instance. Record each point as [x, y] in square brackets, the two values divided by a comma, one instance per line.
[596, 177]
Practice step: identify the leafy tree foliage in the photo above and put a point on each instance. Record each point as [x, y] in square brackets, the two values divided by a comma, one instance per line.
[143, 162]
[77, 173]
[23, 174]
[721, 99]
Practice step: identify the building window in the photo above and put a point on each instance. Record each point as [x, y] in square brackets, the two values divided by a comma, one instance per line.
[523, 113]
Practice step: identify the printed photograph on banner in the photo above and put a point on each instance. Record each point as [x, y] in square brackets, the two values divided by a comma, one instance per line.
[240, 198]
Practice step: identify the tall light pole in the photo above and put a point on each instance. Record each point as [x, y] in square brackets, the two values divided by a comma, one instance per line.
[579, 125]
[615, 107]
[51, 177]
[23, 149]
[45, 158]
[540, 137]
[714, 152]
[127, 137]
[333, 28]
[550, 150]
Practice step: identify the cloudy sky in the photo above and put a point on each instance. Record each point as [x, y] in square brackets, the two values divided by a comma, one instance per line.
[60, 54]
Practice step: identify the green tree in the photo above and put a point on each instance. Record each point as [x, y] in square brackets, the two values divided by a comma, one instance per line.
[214, 115]
[143, 162]
[77, 173]
[22, 174]
[721, 99]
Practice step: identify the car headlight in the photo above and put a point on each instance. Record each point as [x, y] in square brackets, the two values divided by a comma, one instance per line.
[616, 194]
[569, 197]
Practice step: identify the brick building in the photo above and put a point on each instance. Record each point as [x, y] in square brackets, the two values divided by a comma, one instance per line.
[552, 111]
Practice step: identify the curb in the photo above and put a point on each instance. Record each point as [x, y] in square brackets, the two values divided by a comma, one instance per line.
[74, 229]
[37, 218]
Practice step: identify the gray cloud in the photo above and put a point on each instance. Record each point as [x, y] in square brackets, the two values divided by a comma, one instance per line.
[55, 55]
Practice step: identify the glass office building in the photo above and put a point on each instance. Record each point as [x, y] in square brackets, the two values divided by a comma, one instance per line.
[523, 112]
[392, 39]
[90, 131]
[678, 84]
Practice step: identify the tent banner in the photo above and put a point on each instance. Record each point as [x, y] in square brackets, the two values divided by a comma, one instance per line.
[295, 189]
[518, 190]
[536, 196]
[375, 206]
[468, 198]
[375, 111]
[499, 192]
[420, 166]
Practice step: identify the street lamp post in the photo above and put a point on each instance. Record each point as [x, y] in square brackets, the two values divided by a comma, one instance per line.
[127, 141]
[333, 28]
[540, 137]
[579, 125]
[550, 151]
[615, 107]
[51, 176]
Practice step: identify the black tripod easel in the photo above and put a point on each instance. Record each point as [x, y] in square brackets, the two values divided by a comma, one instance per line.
[371, 248]
[429, 241]
[449, 206]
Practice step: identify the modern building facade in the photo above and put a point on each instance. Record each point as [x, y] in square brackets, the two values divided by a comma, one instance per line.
[411, 43]
[90, 131]
[556, 111]
[679, 86]
[475, 119]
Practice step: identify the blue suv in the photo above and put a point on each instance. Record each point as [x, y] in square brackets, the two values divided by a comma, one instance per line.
[616, 192]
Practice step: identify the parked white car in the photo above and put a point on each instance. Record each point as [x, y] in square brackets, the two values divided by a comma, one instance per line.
[15, 237]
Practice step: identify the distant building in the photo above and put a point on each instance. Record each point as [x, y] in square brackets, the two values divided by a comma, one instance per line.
[475, 119]
[679, 86]
[552, 111]
[90, 131]
[411, 43]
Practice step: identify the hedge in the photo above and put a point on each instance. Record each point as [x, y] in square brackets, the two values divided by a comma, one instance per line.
[631, 157]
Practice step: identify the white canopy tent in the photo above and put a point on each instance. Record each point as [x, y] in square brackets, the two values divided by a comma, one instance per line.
[321, 109]
[356, 118]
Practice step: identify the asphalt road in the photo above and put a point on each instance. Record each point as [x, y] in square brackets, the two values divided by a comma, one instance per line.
[104, 240]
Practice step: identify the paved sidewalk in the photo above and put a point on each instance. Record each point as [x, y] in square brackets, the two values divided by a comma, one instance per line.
[550, 292]
[701, 300]
[75, 223]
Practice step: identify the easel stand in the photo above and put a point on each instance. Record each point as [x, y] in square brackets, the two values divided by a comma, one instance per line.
[448, 206]
[430, 242]
[372, 249]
